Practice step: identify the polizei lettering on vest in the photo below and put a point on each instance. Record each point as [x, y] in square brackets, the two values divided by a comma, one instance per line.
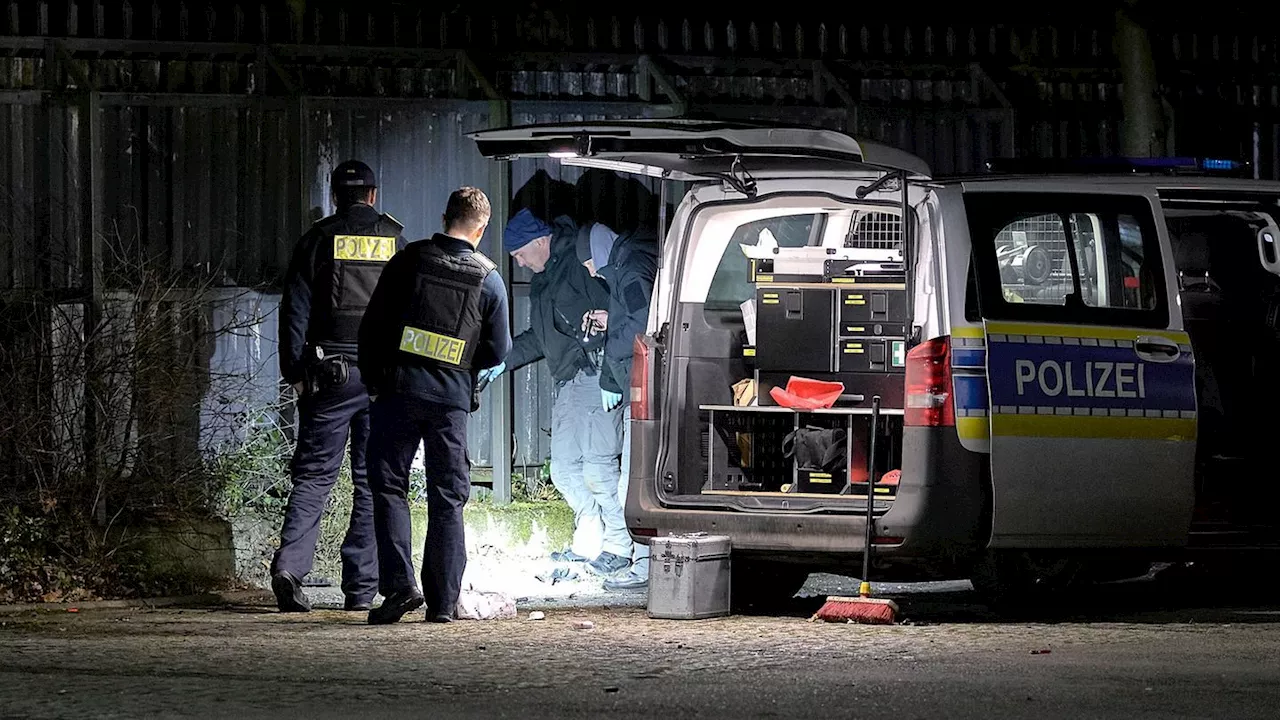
[1095, 379]
[366, 248]
[434, 346]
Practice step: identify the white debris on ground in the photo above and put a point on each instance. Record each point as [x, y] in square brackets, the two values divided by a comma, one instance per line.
[476, 605]
[499, 562]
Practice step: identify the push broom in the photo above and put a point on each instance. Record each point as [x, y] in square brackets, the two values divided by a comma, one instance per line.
[864, 608]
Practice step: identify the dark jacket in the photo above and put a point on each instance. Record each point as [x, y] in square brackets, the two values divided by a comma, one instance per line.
[384, 367]
[630, 275]
[306, 306]
[559, 296]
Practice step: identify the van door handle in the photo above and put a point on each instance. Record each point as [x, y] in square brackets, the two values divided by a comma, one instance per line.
[1156, 349]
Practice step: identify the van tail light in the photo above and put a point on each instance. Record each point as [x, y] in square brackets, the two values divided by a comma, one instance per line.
[929, 402]
[642, 380]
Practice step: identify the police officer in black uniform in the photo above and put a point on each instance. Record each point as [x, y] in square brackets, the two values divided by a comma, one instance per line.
[334, 271]
[439, 316]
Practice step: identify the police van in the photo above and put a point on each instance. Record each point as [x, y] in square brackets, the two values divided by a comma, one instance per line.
[1069, 372]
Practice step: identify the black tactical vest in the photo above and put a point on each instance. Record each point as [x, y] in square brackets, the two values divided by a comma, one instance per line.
[443, 323]
[356, 255]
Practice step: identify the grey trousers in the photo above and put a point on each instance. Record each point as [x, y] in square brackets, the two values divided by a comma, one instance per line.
[585, 444]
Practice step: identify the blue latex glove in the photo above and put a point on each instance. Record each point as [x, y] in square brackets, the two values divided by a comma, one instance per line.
[487, 375]
[610, 400]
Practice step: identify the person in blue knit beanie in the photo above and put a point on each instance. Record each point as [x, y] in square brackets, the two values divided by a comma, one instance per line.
[586, 437]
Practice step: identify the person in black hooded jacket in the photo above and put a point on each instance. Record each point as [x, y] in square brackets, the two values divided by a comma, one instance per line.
[628, 264]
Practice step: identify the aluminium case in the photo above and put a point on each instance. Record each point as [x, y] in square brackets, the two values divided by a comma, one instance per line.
[689, 576]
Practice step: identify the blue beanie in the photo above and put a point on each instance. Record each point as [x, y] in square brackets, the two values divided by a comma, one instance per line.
[523, 229]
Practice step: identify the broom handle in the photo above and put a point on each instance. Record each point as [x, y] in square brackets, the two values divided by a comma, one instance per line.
[865, 589]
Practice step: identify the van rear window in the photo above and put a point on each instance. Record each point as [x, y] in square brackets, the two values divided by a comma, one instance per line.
[1073, 258]
[731, 285]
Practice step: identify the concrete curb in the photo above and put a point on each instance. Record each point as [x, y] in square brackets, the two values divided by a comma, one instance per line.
[231, 597]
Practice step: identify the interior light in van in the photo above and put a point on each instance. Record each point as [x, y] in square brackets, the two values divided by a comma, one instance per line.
[628, 168]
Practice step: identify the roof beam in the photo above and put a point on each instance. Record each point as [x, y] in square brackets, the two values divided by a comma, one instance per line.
[467, 67]
[664, 83]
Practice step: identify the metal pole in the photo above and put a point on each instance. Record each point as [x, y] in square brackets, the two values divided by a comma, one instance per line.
[299, 213]
[91, 286]
[1257, 155]
[500, 397]
[868, 536]
[1142, 117]
[662, 210]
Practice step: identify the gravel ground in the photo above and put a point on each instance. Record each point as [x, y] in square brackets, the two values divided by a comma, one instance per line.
[1121, 652]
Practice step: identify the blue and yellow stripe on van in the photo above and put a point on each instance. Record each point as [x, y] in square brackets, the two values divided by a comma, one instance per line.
[1087, 382]
[969, 383]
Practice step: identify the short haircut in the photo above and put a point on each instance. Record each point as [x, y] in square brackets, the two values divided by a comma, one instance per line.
[348, 196]
[468, 207]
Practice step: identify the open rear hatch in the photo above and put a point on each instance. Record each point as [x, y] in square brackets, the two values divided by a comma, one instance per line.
[786, 261]
[694, 149]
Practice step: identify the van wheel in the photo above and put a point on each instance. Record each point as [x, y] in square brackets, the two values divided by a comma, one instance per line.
[761, 586]
[1014, 581]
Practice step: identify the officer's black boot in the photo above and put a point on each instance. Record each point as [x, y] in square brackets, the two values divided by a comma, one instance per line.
[394, 607]
[439, 616]
[288, 591]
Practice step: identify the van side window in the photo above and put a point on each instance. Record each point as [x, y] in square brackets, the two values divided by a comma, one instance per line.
[1073, 253]
[1130, 268]
[1110, 252]
[731, 285]
[1032, 252]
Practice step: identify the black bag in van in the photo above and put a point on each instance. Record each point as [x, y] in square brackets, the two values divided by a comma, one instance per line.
[815, 448]
[819, 455]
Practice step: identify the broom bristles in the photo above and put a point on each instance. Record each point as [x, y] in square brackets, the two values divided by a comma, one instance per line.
[867, 611]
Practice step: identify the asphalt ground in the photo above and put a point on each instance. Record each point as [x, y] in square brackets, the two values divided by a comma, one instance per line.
[1128, 651]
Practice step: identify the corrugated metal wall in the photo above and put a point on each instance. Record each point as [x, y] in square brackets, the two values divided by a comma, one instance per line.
[17, 204]
[40, 195]
[203, 188]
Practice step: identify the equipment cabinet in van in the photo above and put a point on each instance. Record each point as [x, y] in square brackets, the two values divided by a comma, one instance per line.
[1063, 358]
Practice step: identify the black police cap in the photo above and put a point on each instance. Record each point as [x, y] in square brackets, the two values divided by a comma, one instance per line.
[352, 173]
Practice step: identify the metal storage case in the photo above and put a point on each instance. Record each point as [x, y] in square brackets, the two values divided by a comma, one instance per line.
[689, 576]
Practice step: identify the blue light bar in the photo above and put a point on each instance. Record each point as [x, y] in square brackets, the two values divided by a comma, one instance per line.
[1186, 163]
[1219, 164]
[1117, 165]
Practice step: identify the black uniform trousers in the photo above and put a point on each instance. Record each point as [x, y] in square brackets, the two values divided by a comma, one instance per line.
[399, 424]
[326, 420]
